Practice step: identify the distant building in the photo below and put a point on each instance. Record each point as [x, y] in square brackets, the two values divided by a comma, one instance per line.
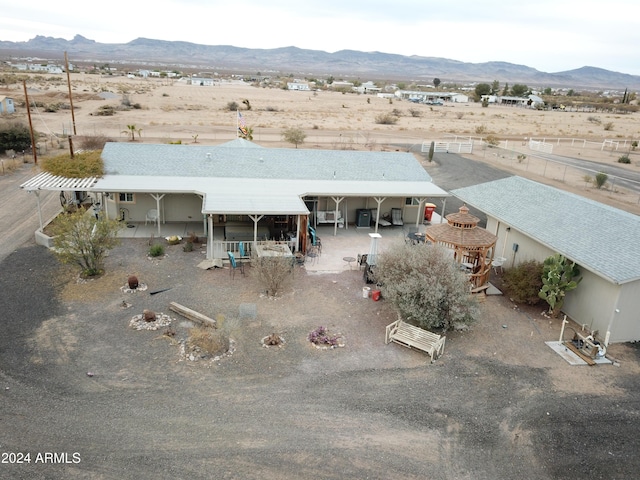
[203, 82]
[298, 86]
[6, 105]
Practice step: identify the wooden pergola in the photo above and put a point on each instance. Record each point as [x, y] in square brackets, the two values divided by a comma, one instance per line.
[473, 247]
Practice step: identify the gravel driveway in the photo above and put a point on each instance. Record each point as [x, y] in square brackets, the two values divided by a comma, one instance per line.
[498, 405]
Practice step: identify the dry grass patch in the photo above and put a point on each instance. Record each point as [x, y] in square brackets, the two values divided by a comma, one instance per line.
[208, 341]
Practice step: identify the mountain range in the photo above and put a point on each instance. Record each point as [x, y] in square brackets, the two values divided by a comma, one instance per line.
[347, 64]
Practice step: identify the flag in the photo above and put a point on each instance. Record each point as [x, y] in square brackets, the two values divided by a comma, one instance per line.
[242, 127]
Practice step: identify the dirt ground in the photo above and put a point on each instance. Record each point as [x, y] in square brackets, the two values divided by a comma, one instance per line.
[499, 404]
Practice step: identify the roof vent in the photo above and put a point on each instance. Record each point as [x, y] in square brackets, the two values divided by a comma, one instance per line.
[208, 155]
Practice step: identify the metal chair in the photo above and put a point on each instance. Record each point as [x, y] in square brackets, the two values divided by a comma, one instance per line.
[234, 265]
[315, 240]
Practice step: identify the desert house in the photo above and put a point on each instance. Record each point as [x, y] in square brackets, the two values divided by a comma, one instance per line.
[7, 105]
[534, 221]
[239, 191]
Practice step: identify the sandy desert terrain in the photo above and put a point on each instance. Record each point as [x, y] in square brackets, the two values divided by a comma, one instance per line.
[173, 111]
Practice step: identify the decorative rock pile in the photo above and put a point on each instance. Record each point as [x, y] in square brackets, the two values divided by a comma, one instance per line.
[148, 320]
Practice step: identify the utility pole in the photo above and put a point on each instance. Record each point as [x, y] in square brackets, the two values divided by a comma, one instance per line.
[73, 116]
[33, 140]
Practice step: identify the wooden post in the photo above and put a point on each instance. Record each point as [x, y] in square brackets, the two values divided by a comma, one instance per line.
[33, 141]
[73, 117]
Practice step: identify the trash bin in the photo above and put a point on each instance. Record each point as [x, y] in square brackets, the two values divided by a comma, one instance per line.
[429, 208]
[375, 295]
[366, 291]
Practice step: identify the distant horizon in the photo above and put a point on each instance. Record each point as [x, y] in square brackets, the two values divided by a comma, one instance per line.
[325, 51]
[555, 36]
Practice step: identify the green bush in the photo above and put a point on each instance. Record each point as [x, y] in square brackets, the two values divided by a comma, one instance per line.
[523, 282]
[601, 179]
[624, 159]
[156, 250]
[15, 136]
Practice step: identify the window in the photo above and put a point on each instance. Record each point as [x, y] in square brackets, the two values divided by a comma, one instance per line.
[126, 197]
[412, 201]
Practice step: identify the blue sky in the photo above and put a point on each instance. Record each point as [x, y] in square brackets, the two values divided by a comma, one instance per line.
[550, 36]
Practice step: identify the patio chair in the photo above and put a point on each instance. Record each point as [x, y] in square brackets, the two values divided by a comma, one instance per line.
[234, 265]
[383, 222]
[315, 240]
[151, 216]
[396, 217]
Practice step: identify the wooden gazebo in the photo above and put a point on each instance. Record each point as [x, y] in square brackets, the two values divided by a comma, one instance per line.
[473, 247]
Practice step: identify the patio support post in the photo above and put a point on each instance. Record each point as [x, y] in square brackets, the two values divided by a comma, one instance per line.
[444, 204]
[158, 197]
[256, 219]
[37, 193]
[420, 211]
[209, 221]
[379, 201]
[335, 216]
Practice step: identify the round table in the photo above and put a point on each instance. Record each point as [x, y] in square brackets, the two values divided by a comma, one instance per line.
[349, 260]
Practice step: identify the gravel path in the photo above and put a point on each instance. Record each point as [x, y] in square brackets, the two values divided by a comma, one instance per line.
[498, 405]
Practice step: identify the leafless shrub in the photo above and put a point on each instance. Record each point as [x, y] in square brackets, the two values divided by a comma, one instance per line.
[273, 273]
[386, 119]
[93, 142]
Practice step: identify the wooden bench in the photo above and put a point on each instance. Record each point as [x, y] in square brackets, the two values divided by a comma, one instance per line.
[192, 315]
[414, 337]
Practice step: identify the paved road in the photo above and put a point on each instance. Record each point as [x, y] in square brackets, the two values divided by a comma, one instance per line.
[625, 178]
[19, 211]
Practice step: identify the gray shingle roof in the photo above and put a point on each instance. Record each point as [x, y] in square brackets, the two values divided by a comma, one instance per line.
[241, 159]
[597, 237]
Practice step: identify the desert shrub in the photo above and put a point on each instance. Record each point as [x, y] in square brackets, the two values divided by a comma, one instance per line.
[492, 140]
[425, 286]
[521, 157]
[600, 179]
[83, 240]
[624, 159]
[608, 126]
[459, 115]
[188, 246]
[14, 136]
[273, 273]
[480, 129]
[207, 341]
[156, 250]
[92, 142]
[634, 145]
[396, 112]
[232, 106]
[294, 135]
[595, 120]
[523, 282]
[105, 111]
[386, 119]
[414, 112]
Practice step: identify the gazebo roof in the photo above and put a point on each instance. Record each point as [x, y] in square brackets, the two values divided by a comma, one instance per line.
[461, 230]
